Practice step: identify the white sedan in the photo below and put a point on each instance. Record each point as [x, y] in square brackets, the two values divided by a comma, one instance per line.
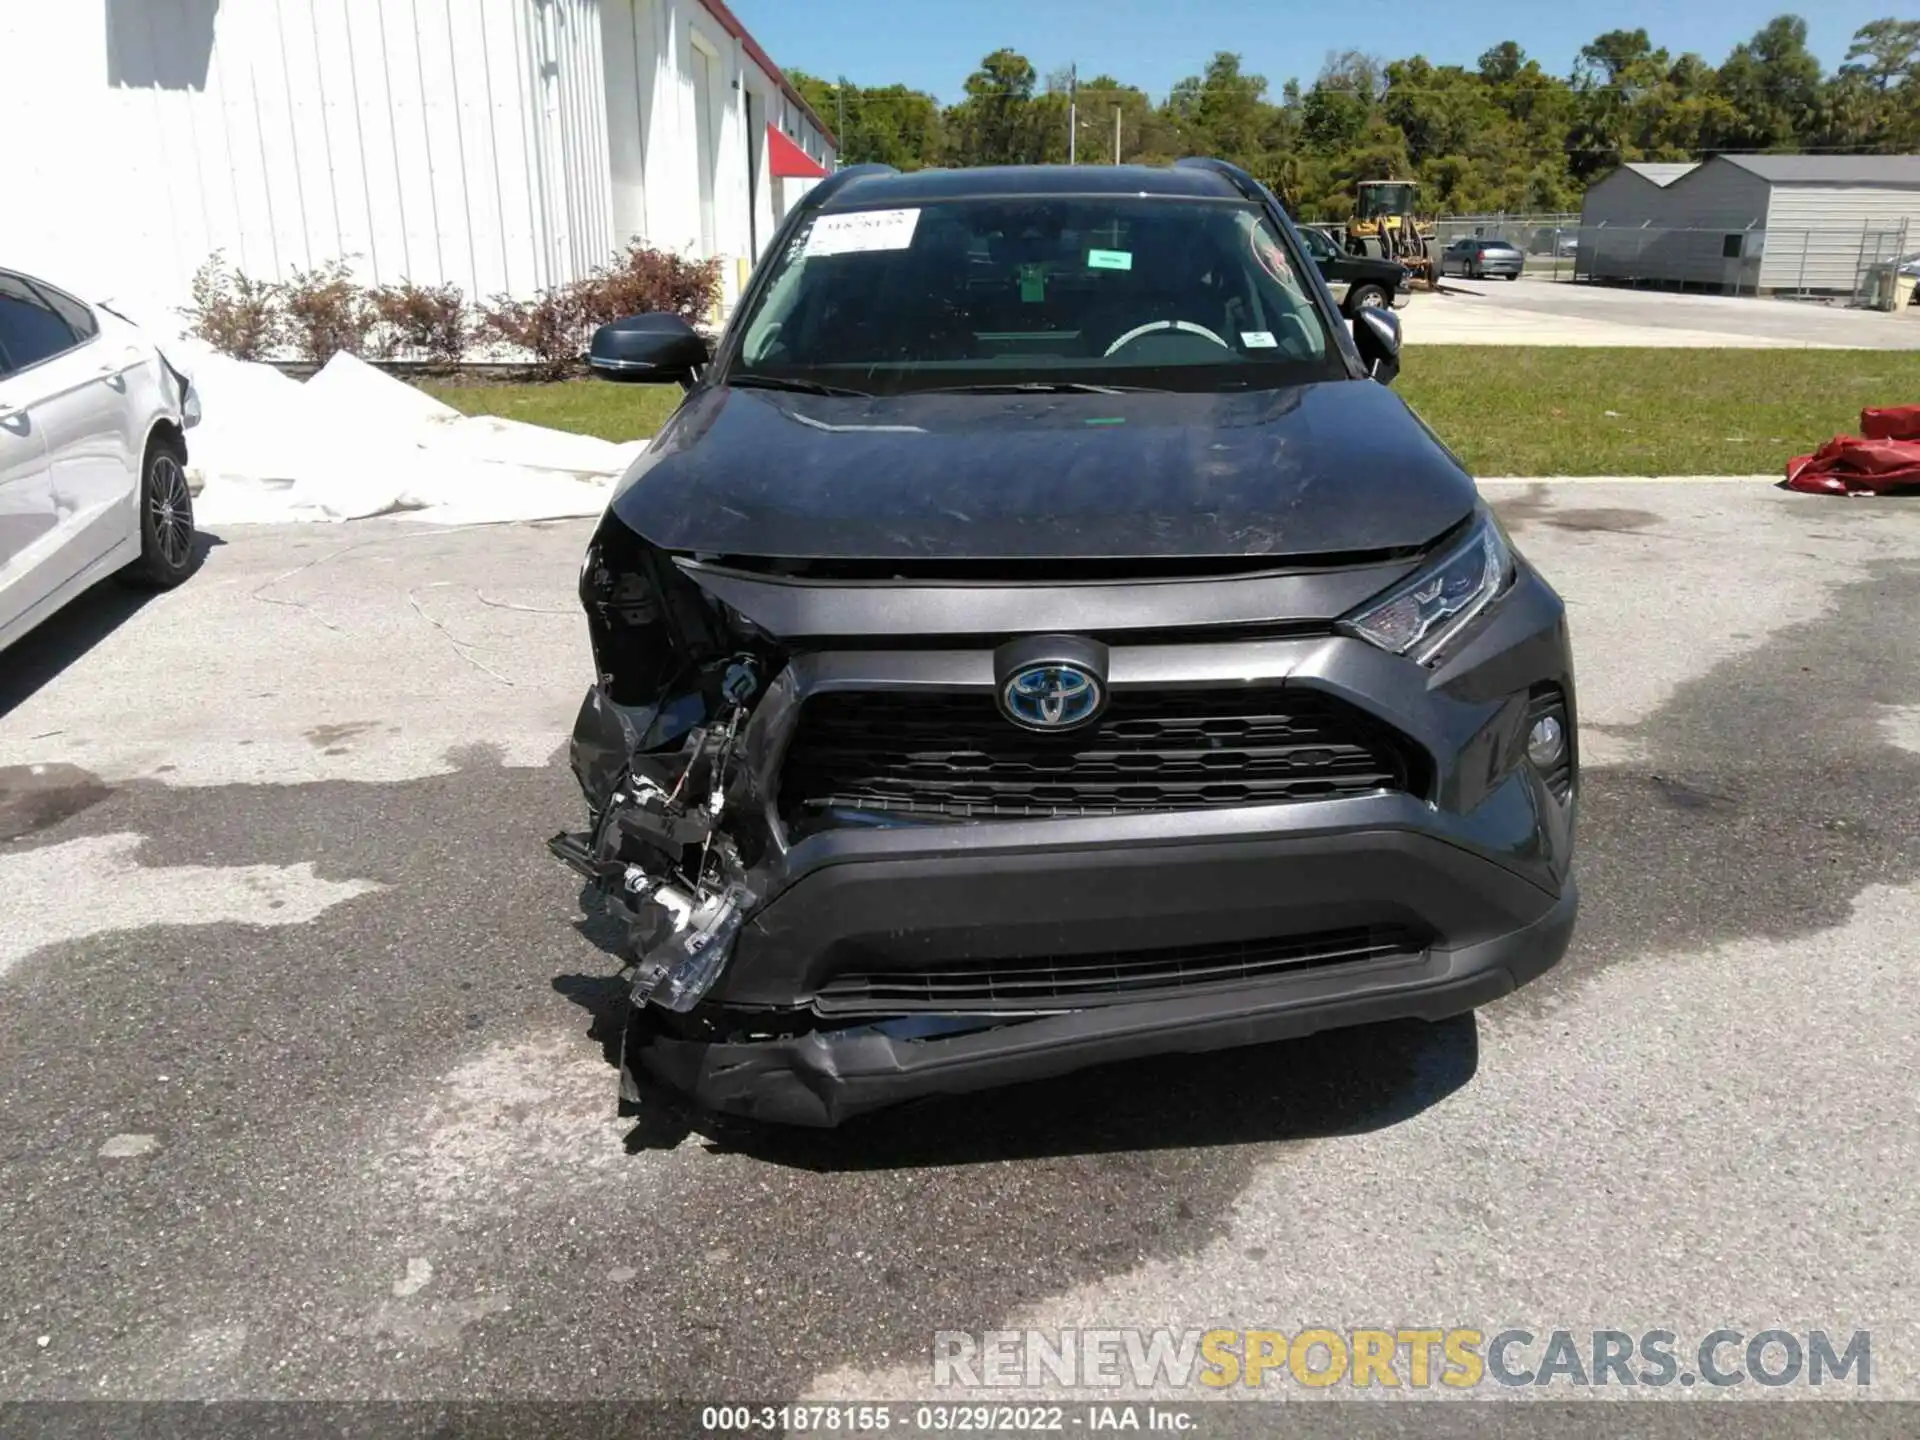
[93, 452]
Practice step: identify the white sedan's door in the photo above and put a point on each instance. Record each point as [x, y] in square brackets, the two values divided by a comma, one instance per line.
[26, 502]
[75, 393]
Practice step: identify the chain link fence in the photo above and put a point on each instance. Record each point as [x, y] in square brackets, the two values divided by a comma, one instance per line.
[1861, 264]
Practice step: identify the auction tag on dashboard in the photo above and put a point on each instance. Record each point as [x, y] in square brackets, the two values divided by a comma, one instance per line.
[862, 230]
[1109, 259]
[1258, 339]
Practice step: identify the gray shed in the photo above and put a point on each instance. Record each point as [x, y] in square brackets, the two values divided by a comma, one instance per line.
[1813, 224]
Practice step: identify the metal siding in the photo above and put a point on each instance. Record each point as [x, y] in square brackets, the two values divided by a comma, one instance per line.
[567, 132]
[498, 221]
[1623, 198]
[448, 115]
[1823, 237]
[445, 141]
[1672, 234]
[620, 42]
[414, 161]
[1716, 196]
[592, 189]
[288, 133]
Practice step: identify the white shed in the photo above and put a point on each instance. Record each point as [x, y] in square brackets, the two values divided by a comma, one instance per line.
[1813, 224]
[498, 145]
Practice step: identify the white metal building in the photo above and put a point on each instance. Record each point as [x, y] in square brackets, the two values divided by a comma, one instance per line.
[500, 145]
[1805, 223]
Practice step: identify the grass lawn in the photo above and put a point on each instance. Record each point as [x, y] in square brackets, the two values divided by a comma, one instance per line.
[1514, 410]
[588, 407]
[1507, 410]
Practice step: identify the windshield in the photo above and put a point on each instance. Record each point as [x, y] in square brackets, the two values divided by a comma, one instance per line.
[1387, 198]
[1120, 291]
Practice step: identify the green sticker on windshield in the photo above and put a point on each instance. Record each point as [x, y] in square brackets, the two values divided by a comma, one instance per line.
[1033, 284]
[1109, 259]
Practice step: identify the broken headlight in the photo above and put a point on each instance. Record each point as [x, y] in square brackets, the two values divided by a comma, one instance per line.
[1420, 615]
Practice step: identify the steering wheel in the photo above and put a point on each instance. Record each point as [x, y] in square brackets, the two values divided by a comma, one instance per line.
[1186, 325]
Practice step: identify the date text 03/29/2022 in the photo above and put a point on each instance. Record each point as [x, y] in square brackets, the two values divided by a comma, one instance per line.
[976, 1419]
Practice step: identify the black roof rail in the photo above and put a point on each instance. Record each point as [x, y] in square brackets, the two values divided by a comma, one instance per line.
[824, 191]
[1233, 174]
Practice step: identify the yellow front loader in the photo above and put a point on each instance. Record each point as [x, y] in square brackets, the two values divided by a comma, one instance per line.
[1384, 227]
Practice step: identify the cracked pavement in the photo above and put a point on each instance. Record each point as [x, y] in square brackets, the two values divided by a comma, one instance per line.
[306, 1089]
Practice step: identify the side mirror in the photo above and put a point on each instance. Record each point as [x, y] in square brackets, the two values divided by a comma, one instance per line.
[1376, 333]
[656, 348]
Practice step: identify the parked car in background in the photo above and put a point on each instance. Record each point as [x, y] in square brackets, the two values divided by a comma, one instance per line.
[1357, 281]
[1478, 258]
[93, 453]
[1552, 240]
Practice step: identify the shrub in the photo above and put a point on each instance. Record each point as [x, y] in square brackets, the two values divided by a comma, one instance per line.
[429, 320]
[640, 281]
[235, 314]
[320, 312]
[551, 326]
[327, 312]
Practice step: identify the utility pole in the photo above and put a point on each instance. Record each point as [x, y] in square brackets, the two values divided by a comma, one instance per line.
[840, 112]
[1073, 113]
[1116, 134]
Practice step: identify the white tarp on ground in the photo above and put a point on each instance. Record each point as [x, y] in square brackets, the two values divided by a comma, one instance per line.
[353, 441]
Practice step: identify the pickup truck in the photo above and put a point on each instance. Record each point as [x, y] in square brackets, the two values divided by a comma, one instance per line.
[1357, 280]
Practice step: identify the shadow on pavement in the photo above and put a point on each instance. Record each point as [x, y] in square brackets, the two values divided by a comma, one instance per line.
[66, 636]
[1341, 1082]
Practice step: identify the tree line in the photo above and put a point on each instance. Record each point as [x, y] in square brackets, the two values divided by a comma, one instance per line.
[1504, 135]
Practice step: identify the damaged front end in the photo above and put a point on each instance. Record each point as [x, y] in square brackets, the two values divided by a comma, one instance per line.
[676, 825]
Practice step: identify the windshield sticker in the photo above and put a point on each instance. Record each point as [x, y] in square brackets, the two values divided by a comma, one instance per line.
[1033, 284]
[1258, 339]
[862, 230]
[1272, 258]
[1109, 259]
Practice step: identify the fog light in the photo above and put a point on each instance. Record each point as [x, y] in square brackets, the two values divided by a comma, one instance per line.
[1546, 742]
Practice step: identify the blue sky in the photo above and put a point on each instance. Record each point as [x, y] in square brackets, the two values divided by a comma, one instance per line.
[933, 44]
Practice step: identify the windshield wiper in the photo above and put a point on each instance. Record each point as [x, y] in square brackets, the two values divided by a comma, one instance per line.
[797, 387]
[1039, 387]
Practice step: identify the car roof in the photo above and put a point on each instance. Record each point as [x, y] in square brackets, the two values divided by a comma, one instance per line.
[1000, 181]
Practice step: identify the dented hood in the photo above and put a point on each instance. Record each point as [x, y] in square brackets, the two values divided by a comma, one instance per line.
[1333, 467]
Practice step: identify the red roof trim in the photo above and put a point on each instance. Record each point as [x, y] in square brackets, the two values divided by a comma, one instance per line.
[787, 160]
[731, 24]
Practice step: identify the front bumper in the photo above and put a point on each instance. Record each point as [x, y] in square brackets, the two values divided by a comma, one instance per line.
[1477, 865]
[823, 1077]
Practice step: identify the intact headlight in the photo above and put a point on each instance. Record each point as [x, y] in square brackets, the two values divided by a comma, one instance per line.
[1420, 615]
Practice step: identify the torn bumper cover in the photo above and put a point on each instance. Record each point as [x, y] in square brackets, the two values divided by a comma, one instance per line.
[656, 850]
[848, 881]
[823, 1076]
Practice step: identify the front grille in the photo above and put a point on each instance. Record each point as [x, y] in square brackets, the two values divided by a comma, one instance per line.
[1077, 981]
[955, 756]
[1549, 700]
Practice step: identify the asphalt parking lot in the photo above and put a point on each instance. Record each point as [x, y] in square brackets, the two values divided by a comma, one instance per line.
[304, 1071]
[1538, 311]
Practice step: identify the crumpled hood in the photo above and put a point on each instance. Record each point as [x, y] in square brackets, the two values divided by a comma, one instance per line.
[1333, 467]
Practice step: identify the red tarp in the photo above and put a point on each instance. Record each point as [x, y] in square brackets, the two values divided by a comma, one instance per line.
[1884, 459]
[788, 161]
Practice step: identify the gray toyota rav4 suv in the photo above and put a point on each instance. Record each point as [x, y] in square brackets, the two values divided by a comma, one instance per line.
[1040, 638]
